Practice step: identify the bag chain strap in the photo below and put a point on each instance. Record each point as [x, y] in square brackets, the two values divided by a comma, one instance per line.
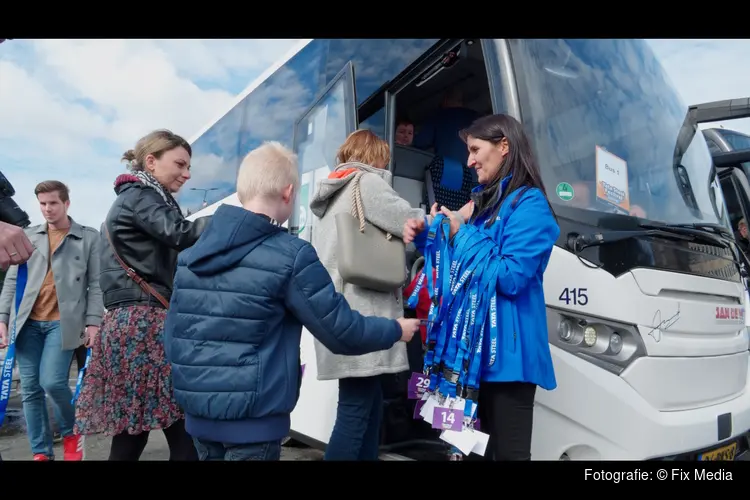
[358, 209]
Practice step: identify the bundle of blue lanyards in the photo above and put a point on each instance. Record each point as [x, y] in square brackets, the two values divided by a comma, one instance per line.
[463, 310]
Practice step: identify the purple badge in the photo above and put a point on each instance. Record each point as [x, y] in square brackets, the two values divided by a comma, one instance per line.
[476, 425]
[446, 418]
[417, 408]
[302, 371]
[418, 384]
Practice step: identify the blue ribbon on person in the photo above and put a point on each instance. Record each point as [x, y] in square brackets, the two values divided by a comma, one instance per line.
[463, 309]
[6, 378]
[81, 373]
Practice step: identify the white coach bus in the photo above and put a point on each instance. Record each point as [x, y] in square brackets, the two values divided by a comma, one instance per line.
[646, 323]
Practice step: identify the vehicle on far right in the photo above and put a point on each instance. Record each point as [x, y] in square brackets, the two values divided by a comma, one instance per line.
[721, 140]
[730, 151]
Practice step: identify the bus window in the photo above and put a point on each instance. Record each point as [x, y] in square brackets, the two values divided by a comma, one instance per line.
[580, 122]
[737, 141]
[375, 123]
[712, 146]
[317, 136]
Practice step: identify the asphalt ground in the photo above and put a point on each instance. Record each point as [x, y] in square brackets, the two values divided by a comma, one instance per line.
[14, 444]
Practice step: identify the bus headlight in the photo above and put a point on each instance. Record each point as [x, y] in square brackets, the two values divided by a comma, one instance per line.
[607, 344]
[589, 336]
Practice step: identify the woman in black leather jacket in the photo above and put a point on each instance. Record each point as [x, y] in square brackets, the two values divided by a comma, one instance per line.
[128, 384]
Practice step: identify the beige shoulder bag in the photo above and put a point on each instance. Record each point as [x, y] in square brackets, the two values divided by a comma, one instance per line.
[368, 256]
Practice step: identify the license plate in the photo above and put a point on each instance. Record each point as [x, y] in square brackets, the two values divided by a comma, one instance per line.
[725, 453]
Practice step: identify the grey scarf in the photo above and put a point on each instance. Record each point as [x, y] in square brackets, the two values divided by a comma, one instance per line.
[150, 181]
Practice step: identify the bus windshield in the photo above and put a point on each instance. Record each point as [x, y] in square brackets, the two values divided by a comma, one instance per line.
[610, 134]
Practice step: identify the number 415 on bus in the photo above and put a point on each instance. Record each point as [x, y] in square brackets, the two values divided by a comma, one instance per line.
[579, 296]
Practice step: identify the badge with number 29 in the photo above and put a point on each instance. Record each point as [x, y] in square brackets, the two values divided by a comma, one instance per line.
[418, 384]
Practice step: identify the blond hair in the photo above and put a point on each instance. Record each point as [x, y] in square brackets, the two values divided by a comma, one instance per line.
[365, 147]
[266, 171]
[156, 143]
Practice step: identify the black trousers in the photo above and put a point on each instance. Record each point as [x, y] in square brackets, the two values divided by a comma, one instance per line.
[506, 413]
[129, 447]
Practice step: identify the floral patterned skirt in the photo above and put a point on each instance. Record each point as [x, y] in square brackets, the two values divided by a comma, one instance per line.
[128, 383]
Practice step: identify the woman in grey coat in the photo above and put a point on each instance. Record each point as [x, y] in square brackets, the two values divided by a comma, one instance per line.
[356, 433]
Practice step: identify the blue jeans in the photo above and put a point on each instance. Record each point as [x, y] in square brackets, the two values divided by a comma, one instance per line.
[356, 433]
[44, 368]
[213, 451]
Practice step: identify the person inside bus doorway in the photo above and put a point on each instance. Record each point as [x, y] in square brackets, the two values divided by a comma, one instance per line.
[404, 132]
[511, 207]
[440, 130]
[356, 433]
[127, 390]
[741, 235]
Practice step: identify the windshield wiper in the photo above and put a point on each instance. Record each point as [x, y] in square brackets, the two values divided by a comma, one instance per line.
[726, 235]
[578, 242]
[713, 234]
[708, 226]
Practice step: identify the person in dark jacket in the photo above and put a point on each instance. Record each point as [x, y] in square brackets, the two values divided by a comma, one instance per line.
[241, 296]
[127, 390]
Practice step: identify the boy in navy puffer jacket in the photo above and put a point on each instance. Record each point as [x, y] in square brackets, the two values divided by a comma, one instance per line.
[241, 296]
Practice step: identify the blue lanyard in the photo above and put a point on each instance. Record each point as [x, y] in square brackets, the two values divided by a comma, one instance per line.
[439, 289]
[473, 366]
[431, 248]
[464, 347]
[81, 372]
[472, 301]
[428, 274]
[468, 259]
[437, 327]
[7, 375]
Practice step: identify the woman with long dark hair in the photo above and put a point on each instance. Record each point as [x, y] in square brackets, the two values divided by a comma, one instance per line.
[510, 206]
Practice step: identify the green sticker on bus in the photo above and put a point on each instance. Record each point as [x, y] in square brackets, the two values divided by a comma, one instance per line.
[565, 191]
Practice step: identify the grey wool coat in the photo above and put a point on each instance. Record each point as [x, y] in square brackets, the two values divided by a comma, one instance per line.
[75, 267]
[385, 209]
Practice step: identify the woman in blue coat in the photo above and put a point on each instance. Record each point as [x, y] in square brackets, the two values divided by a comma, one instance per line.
[510, 205]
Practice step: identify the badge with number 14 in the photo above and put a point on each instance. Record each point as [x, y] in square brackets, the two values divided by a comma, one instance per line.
[447, 419]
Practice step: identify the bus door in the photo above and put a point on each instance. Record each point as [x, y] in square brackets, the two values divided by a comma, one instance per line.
[735, 187]
[736, 190]
[318, 133]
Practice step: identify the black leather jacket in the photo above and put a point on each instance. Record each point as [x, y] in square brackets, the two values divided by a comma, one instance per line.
[147, 234]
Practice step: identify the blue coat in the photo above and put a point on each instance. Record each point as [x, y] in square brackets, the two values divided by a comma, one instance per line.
[241, 296]
[525, 230]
